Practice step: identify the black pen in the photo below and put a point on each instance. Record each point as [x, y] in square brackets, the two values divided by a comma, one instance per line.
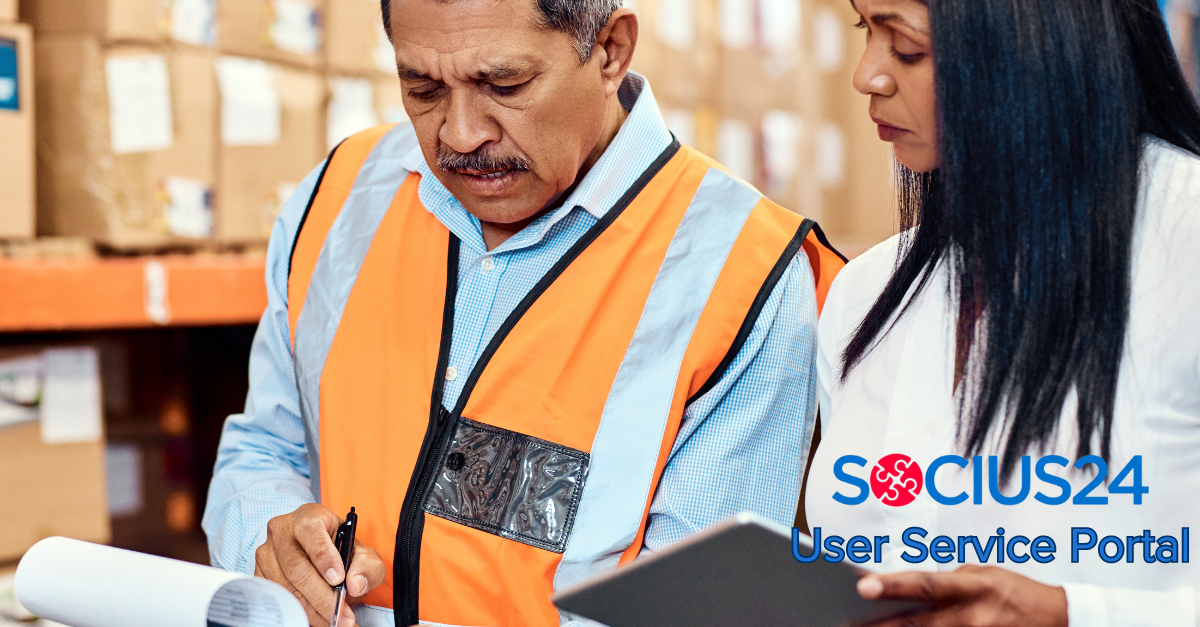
[344, 542]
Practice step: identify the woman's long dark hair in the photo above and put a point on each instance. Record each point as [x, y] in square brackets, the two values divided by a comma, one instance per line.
[1043, 108]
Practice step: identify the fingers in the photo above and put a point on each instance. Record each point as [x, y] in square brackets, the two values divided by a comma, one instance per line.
[937, 589]
[267, 567]
[285, 559]
[367, 571]
[313, 527]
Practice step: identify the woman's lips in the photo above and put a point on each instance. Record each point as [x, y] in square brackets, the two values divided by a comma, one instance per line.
[887, 132]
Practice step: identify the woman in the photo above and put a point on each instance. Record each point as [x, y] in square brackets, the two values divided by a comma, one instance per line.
[1041, 306]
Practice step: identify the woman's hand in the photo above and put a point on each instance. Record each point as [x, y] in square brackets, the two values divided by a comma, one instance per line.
[972, 596]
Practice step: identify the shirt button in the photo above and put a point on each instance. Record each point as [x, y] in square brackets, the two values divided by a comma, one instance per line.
[451, 373]
[488, 264]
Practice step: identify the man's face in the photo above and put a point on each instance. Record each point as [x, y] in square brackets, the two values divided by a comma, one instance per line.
[505, 113]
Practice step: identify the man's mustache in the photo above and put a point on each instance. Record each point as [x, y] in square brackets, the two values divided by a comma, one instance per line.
[479, 161]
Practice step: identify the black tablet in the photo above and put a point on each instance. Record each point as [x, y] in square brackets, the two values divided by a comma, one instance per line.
[739, 573]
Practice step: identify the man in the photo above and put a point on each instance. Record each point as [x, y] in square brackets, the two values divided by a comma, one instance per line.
[526, 337]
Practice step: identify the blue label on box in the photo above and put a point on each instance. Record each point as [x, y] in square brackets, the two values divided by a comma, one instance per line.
[9, 98]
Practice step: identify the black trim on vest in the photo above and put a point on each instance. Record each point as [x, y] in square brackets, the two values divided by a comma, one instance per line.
[559, 267]
[308, 208]
[826, 244]
[406, 562]
[764, 293]
[406, 591]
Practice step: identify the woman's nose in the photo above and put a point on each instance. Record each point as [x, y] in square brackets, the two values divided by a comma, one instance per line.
[871, 77]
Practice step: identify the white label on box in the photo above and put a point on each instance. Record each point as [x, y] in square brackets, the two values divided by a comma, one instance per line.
[139, 103]
[676, 24]
[189, 207]
[250, 105]
[735, 148]
[155, 294]
[780, 24]
[193, 22]
[831, 155]
[781, 135]
[124, 462]
[829, 40]
[384, 53]
[295, 27]
[71, 396]
[737, 23]
[20, 389]
[682, 123]
[351, 108]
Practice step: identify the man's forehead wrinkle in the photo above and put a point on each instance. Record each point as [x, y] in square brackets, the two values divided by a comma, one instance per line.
[499, 71]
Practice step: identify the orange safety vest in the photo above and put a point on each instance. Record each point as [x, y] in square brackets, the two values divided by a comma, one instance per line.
[543, 472]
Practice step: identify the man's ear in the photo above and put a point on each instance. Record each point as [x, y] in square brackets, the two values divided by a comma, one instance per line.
[616, 44]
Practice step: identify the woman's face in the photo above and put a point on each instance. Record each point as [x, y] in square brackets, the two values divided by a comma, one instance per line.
[896, 71]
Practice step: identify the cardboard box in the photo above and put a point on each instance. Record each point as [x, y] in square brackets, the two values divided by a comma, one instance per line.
[121, 166]
[140, 21]
[255, 180]
[356, 40]
[287, 31]
[8, 10]
[16, 127]
[111, 20]
[50, 489]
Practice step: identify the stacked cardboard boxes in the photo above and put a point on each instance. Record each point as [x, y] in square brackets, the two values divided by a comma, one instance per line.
[763, 86]
[16, 126]
[155, 131]
[363, 88]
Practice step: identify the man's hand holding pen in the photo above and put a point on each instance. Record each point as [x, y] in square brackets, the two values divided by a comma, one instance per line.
[299, 554]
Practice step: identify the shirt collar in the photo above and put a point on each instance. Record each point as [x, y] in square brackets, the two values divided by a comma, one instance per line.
[642, 137]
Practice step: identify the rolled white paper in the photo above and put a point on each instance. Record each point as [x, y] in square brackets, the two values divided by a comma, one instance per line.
[89, 585]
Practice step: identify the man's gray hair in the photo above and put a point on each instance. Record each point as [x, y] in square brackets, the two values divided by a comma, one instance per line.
[581, 19]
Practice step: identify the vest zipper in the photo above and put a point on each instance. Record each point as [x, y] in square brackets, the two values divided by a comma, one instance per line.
[406, 561]
[411, 555]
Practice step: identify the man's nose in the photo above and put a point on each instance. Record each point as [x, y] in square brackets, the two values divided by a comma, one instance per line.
[468, 125]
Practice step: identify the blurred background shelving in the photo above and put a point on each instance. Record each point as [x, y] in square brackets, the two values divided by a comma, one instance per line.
[146, 147]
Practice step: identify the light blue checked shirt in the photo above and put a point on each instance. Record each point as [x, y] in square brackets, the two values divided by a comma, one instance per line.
[741, 446]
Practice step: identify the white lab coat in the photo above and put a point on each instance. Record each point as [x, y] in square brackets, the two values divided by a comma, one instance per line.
[899, 400]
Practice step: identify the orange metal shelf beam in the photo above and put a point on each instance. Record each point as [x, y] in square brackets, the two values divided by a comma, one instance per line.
[199, 290]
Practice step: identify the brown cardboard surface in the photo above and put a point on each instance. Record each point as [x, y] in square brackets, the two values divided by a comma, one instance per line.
[112, 20]
[250, 176]
[86, 190]
[389, 100]
[16, 149]
[8, 10]
[245, 30]
[352, 34]
[49, 490]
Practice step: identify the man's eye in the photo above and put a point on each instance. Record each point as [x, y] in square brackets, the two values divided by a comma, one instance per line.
[505, 90]
[425, 95]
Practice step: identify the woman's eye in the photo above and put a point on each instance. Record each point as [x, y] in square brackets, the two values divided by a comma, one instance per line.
[861, 24]
[907, 59]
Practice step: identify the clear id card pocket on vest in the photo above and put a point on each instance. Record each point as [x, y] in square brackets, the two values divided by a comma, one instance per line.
[509, 484]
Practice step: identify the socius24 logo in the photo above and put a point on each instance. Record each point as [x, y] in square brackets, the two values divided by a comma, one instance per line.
[897, 480]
